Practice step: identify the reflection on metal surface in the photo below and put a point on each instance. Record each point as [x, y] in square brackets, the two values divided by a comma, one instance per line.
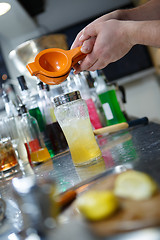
[117, 140]
[2, 209]
[140, 152]
[91, 170]
[13, 214]
[88, 182]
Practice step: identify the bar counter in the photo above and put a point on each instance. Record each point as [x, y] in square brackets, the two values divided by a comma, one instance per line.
[137, 148]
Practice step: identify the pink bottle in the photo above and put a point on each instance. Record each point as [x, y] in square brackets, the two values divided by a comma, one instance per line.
[94, 117]
[83, 87]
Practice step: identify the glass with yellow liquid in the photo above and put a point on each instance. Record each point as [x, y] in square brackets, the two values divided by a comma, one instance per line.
[72, 114]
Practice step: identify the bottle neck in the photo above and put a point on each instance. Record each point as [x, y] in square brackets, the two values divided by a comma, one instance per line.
[41, 93]
[83, 87]
[101, 86]
[10, 109]
[28, 99]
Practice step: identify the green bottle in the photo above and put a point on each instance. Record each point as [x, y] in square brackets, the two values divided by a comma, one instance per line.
[36, 113]
[108, 99]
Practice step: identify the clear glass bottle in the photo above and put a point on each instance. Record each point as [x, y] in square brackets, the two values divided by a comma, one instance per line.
[91, 83]
[33, 140]
[31, 102]
[12, 121]
[18, 142]
[72, 114]
[79, 82]
[10, 108]
[52, 128]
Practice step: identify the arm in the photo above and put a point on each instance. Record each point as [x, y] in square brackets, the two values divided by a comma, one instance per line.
[111, 36]
[148, 11]
[115, 38]
[145, 33]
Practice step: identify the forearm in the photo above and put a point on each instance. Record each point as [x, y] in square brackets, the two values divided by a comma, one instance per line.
[144, 32]
[148, 11]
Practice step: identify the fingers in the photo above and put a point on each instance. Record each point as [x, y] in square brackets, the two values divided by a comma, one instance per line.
[85, 34]
[76, 42]
[94, 60]
[88, 32]
[87, 48]
[79, 67]
[86, 63]
[88, 45]
[98, 65]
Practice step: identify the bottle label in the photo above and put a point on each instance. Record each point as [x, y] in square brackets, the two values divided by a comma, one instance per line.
[107, 111]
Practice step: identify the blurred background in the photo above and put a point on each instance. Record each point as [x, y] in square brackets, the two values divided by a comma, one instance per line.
[28, 24]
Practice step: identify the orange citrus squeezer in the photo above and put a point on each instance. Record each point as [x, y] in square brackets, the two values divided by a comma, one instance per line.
[52, 66]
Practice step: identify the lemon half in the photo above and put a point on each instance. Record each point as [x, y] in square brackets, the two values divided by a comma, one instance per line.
[135, 185]
[96, 205]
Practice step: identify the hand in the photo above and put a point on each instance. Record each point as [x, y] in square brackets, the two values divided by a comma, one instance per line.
[104, 42]
[113, 15]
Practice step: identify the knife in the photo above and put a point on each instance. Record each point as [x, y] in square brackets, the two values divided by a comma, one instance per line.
[120, 126]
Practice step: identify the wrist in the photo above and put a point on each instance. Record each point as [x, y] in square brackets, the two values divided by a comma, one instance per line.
[122, 14]
[131, 31]
[144, 33]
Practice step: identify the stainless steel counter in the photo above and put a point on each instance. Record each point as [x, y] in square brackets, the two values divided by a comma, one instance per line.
[137, 148]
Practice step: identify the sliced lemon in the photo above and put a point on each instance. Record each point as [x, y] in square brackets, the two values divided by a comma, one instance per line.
[135, 185]
[96, 205]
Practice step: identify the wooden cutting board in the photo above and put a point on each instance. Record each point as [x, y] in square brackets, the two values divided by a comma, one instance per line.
[132, 215]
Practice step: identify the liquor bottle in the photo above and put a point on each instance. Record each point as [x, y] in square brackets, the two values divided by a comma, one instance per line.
[121, 97]
[91, 83]
[12, 122]
[52, 128]
[31, 102]
[108, 98]
[36, 149]
[83, 87]
[10, 108]
[78, 82]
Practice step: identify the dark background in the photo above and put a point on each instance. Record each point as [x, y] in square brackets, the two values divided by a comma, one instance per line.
[136, 60]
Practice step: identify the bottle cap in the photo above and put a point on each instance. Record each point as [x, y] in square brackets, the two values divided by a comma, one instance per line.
[22, 106]
[22, 82]
[40, 85]
[69, 97]
[46, 87]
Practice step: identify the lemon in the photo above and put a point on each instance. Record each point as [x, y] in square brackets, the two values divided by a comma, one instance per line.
[96, 205]
[135, 185]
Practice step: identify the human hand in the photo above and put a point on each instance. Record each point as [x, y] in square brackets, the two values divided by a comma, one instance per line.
[112, 15]
[103, 42]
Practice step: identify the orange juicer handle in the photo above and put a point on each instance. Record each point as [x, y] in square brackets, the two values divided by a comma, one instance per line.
[76, 55]
[32, 68]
